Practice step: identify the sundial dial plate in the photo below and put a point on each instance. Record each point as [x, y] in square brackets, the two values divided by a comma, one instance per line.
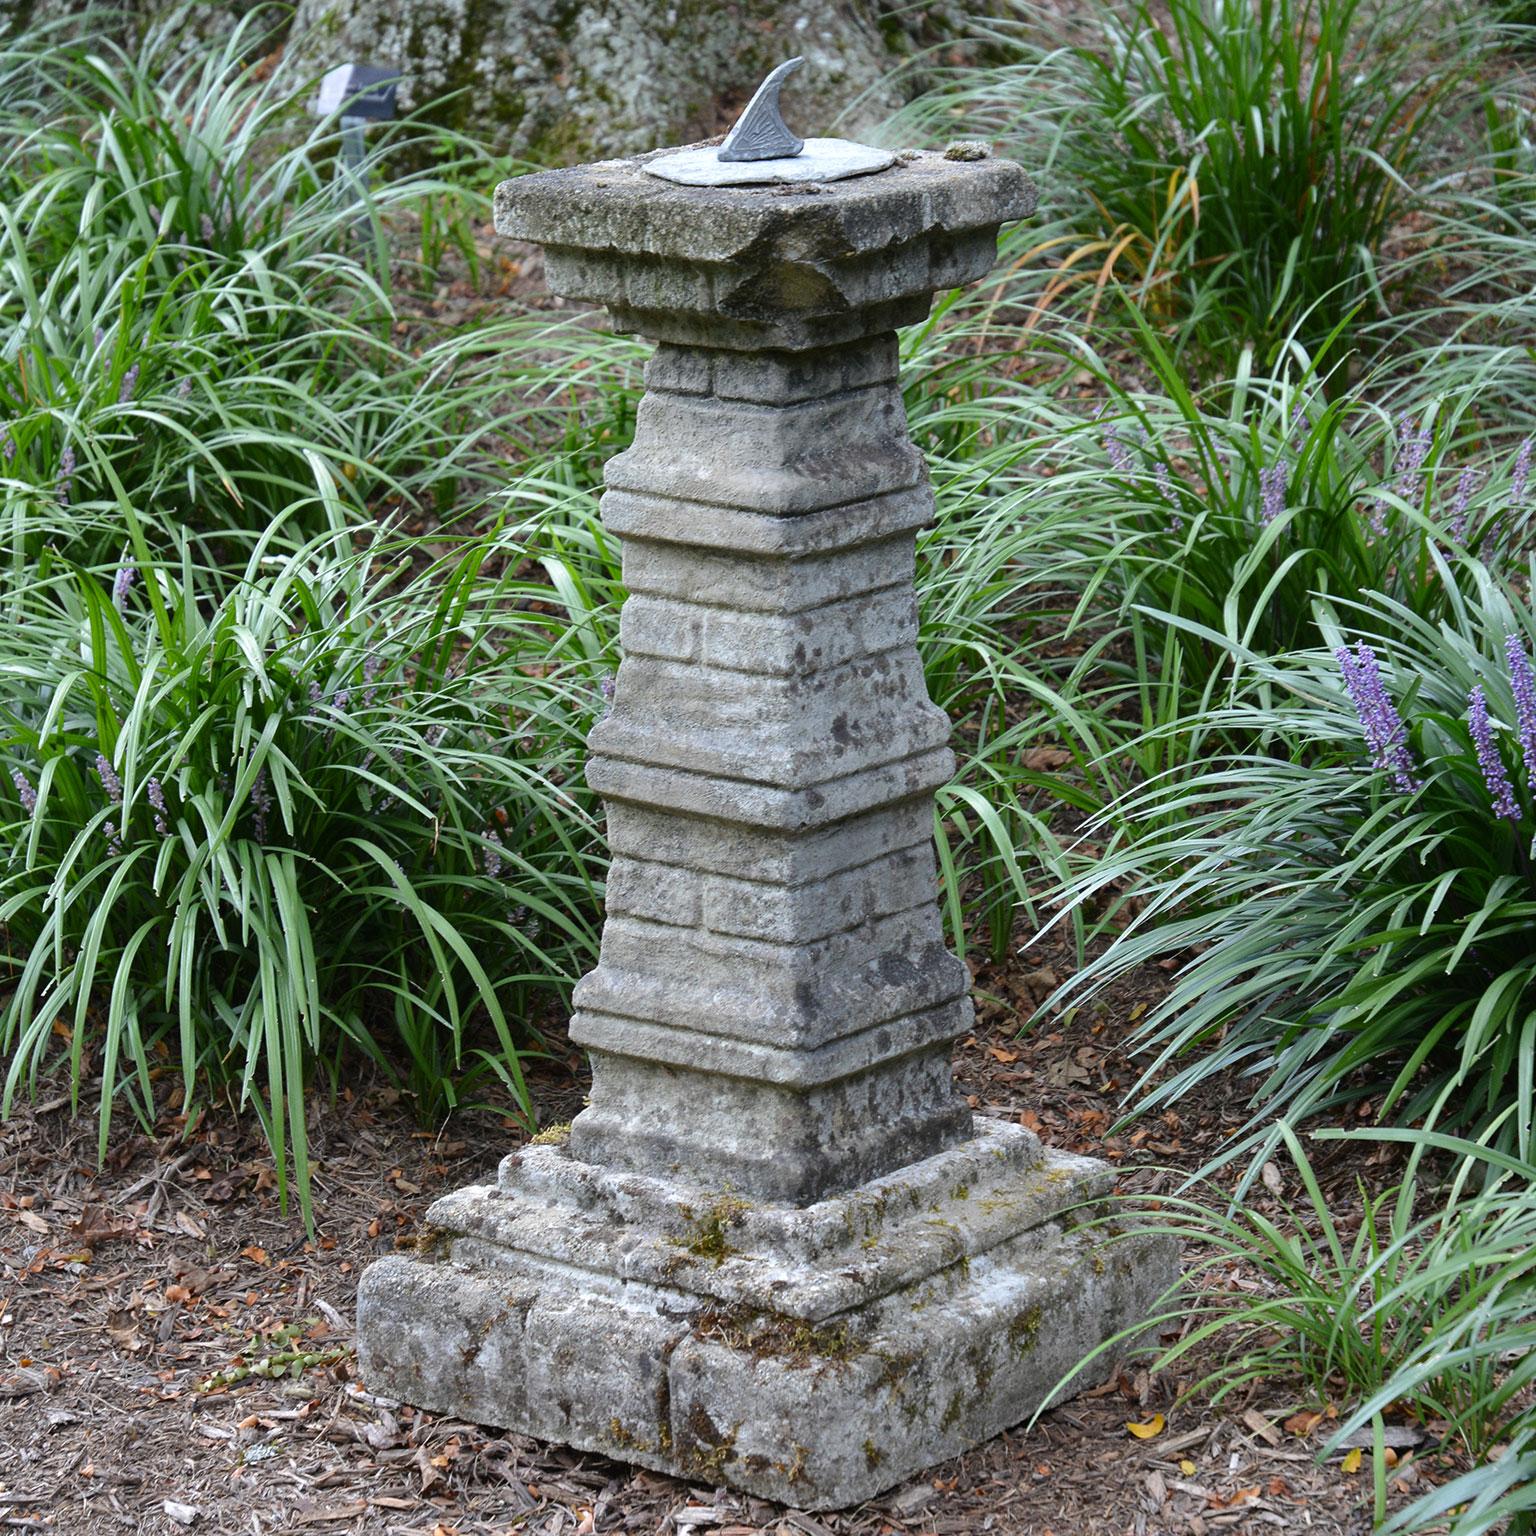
[819, 160]
[761, 151]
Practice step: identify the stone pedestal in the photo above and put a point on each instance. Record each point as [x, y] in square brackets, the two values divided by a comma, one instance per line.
[776, 1251]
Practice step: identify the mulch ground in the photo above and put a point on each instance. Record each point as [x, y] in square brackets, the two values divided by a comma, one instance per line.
[175, 1351]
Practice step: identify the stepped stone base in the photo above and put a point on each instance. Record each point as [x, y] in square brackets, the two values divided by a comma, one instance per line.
[815, 1355]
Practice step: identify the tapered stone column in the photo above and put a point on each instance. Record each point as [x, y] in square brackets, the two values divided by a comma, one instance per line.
[776, 1251]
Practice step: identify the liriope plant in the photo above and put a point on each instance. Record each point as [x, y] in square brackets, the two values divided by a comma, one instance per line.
[1238, 168]
[255, 829]
[1417, 1300]
[1348, 899]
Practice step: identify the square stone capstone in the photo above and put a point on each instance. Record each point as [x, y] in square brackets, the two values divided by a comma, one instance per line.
[747, 267]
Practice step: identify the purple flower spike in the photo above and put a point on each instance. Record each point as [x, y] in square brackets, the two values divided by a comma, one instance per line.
[129, 384]
[184, 389]
[493, 853]
[114, 842]
[1380, 722]
[1413, 445]
[373, 664]
[109, 779]
[1272, 486]
[1522, 680]
[1519, 477]
[1488, 759]
[156, 797]
[66, 474]
[121, 584]
[7, 445]
[1164, 477]
[24, 791]
[261, 802]
[1120, 457]
[1300, 425]
[1461, 501]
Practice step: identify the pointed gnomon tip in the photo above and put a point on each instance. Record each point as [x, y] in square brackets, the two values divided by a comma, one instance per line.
[760, 133]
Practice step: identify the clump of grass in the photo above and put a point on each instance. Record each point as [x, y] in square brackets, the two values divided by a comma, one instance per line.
[1160, 546]
[1236, 166]
[204, 319]
[1425, 1316]
[256, 828]
[1223, 531]
[1349, 896]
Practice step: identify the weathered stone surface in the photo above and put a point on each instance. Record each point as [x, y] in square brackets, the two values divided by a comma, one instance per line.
[562, 80]
[776, 1250]
[815, 1355]
[761, 269]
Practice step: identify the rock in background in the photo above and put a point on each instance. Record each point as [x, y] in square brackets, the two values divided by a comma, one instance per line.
[557, 81]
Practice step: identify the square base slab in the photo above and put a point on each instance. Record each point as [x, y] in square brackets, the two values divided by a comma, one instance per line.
[816, 1356]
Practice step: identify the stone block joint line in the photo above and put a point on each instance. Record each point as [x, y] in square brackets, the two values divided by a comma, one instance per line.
[776, 1251]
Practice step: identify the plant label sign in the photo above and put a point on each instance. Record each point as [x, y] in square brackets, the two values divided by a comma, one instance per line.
[359, 90]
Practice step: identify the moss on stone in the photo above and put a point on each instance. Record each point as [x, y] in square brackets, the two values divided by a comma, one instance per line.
[433, 1242]
[794, 1468]
[704, 1449]
[552, 1135]
[1024, 1330]
[625, 1439]
[897, 1367]
[792, 1341]
[981, 1366]
[708, 1239]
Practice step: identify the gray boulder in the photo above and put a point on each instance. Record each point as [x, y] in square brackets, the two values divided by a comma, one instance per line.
[559, 81]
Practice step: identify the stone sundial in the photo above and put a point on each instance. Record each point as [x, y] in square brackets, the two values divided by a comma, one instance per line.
[776, 1250]
[761, 149]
